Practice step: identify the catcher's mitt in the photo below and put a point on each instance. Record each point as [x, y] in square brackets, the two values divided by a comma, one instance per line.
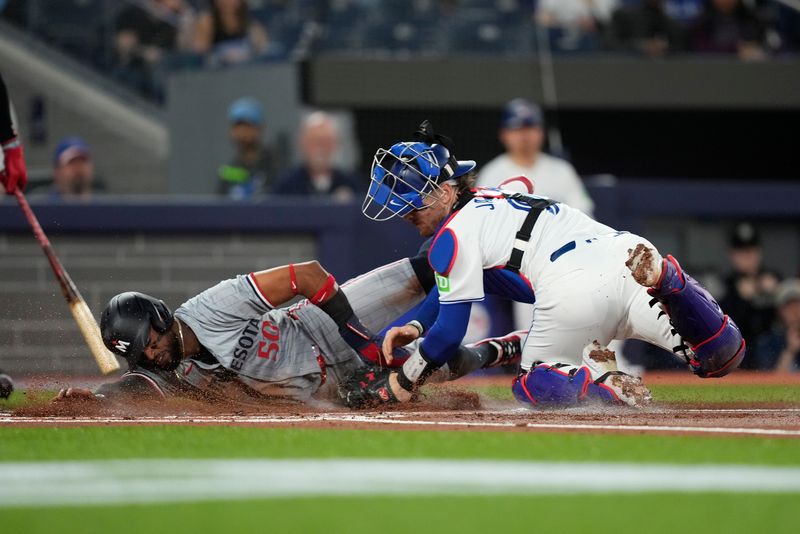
[366, 387]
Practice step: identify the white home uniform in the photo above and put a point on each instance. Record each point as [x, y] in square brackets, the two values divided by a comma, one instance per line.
[575, 271]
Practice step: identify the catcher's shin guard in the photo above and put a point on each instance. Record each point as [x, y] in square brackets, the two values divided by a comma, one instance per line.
[714, 339]
[561, 385]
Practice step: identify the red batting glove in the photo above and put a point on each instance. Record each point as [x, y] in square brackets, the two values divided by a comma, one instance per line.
[14, 174]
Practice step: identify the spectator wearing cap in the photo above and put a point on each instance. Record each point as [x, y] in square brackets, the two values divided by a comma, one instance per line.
[750, 287]
[522, 135]
[73, 171]
[779, 348]
[250, 171]
[525, 168]
[317, 174]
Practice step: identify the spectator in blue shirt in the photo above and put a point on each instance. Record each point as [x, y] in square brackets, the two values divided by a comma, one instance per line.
[317, 175]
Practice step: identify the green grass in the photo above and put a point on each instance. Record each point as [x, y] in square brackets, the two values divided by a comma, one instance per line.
[97, 442]
[27, 398]
[739, 393]
[651, 513]
[614, 513]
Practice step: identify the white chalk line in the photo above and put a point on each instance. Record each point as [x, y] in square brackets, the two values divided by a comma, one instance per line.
[31, 484]
[390, 419]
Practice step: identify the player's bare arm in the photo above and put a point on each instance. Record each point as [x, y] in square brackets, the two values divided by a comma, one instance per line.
[308, 279]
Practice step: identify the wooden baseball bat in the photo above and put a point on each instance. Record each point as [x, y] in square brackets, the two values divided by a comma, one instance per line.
[80, 311]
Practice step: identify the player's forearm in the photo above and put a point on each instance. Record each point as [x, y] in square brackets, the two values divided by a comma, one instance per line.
[446, 334]
[130, 386]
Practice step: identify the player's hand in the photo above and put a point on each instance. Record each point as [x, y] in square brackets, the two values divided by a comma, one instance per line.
[398, 336]
[6, 386]
[14, 174]
[74, 394]
[367, 387]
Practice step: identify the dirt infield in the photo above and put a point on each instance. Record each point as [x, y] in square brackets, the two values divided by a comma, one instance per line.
[452, 407]
[772, 422]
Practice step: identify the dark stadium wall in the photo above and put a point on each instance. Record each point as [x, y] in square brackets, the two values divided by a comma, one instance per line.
[680, 144]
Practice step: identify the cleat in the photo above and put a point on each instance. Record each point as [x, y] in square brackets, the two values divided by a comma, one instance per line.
[509, 348]
[629, 389]
[645, 264]
[602, 364]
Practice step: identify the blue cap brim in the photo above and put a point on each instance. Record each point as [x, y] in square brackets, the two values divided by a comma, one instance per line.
[464, 167]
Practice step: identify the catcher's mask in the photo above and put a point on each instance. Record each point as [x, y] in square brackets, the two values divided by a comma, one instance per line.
[407, 173]
[126, 321]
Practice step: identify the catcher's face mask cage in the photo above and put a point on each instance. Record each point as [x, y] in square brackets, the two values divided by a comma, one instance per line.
[404, 176]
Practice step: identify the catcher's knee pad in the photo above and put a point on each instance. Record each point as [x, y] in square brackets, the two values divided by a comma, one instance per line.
[712, 336]
[559, 384]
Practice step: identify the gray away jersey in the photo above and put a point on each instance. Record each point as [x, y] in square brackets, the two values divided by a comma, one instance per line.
[240, 328]
[275, 351]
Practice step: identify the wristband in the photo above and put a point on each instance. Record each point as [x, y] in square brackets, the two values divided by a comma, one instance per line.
[415, 371]
[323, 293]
[293, 279]
[418, 325]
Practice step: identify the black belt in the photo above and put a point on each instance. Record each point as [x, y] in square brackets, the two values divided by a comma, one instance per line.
[538, 205]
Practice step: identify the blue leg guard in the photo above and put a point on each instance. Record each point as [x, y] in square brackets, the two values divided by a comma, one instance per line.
[714, 338]
[559, 385]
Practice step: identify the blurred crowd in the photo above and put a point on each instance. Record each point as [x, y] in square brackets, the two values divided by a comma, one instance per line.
[139, 41]
[255, 172]
[766, 308]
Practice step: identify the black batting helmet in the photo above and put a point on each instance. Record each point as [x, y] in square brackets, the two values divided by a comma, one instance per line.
[126, 321]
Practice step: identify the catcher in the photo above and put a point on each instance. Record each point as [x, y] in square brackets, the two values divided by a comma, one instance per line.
[233, 342]
[592, 283]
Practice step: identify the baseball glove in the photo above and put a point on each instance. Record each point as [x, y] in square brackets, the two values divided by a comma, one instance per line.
[366, 387]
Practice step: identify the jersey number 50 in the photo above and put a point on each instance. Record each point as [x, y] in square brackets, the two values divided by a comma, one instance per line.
[269, 349]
